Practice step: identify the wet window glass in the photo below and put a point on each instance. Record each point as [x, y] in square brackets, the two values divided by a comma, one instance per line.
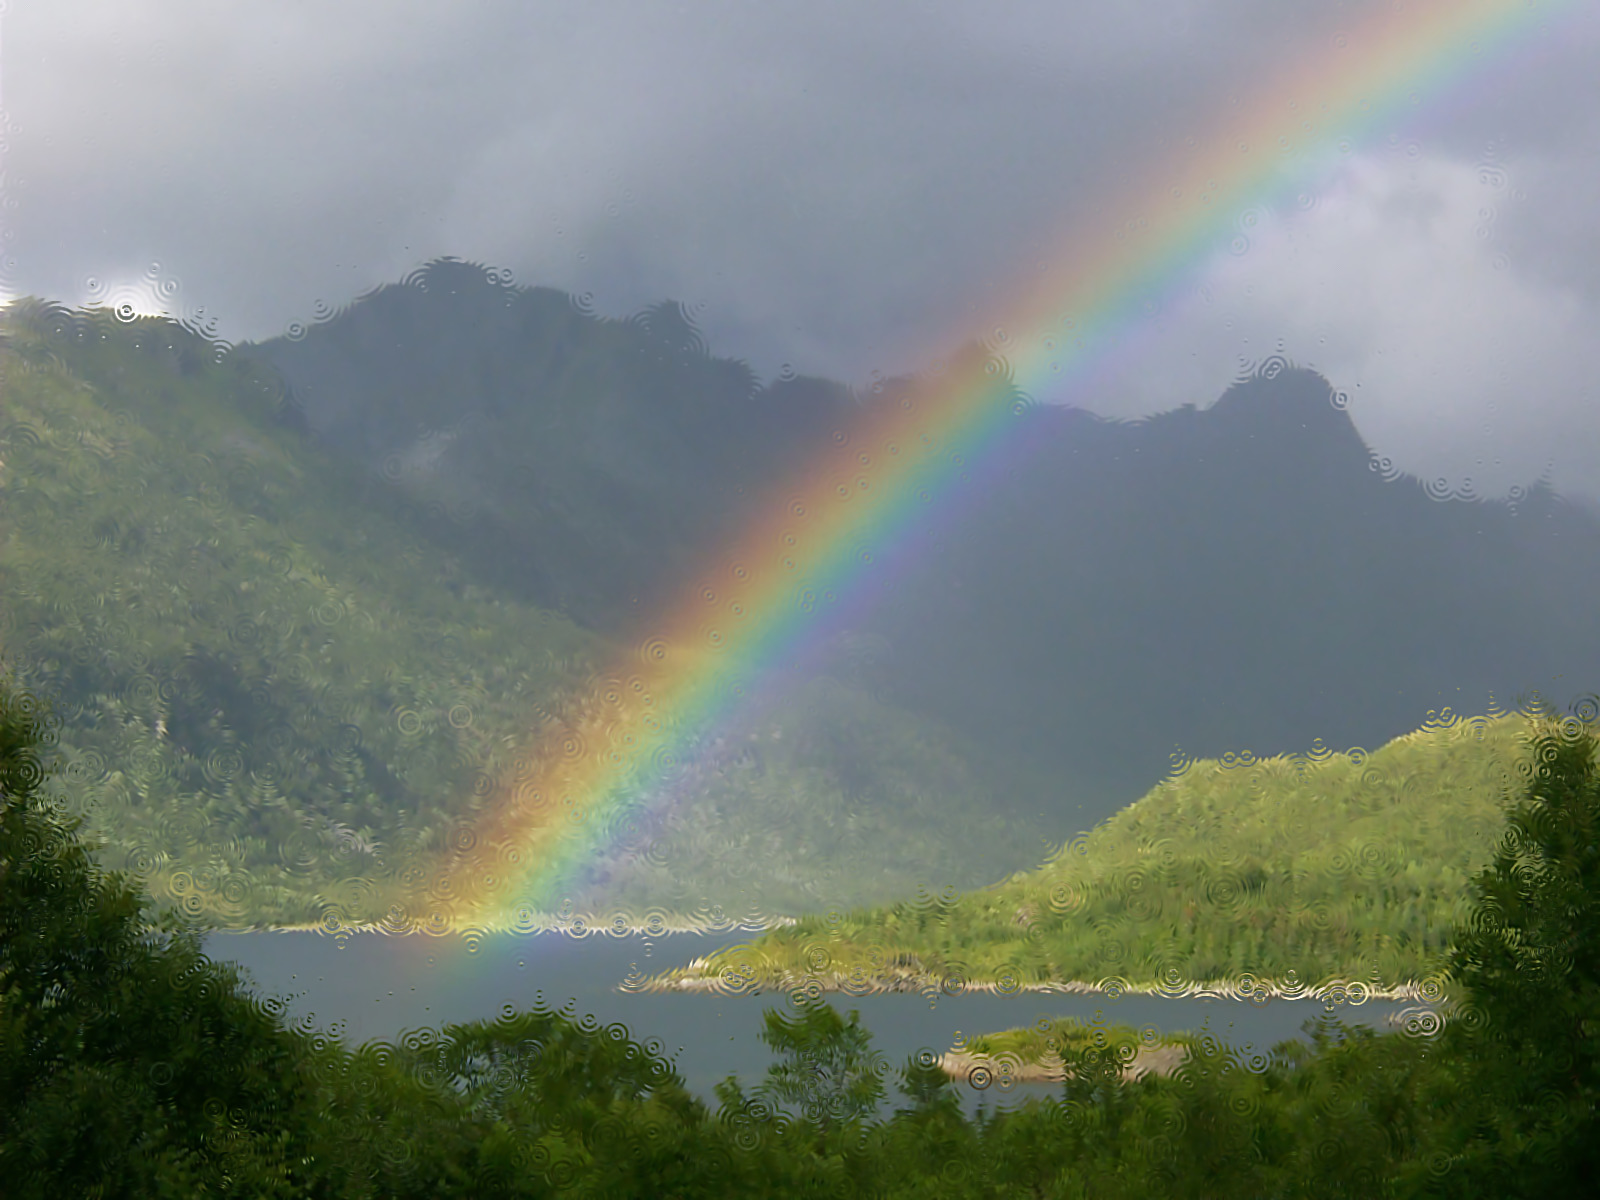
[799, 599]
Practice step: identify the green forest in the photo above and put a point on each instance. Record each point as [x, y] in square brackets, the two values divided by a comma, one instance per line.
[1323, 872]
[132, 1065]
[284, 703]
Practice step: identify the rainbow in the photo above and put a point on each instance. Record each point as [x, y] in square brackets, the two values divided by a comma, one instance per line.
[827, 535]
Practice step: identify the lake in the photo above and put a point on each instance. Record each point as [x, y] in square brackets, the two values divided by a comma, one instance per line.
[370, 986]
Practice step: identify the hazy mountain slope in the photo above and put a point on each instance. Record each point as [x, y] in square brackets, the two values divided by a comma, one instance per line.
[588, 465]
[1239, 577]
[1301, 870]
[1204, 581]
[826, 796]
[280, 704]
[256, 674]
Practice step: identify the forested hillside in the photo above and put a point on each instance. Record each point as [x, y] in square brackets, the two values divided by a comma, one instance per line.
[283, 702]
[129, 1062]
[1345, 872]
[1241, 573]
[309, 607]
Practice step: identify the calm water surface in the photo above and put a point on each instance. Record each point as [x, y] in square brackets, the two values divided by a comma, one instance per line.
[371, 986]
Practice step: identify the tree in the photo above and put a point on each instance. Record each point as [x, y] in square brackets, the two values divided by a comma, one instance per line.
[128, 1060]
[924, 1082]
[130, 1064]
[1526, 1039]
[828, 1068]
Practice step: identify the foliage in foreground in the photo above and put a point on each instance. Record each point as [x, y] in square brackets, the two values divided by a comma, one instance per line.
[129, 1064]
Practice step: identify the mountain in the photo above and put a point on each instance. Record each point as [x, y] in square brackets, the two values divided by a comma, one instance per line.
[1243, 577]
[265, 583]
[583, 464]
[1246, 575]
[280, 700]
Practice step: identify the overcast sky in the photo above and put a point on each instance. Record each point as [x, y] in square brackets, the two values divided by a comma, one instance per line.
[846, 188]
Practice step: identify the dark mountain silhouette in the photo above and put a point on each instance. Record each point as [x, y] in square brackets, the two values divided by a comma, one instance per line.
[587, 464]
[1246, 576]
[1240, 577]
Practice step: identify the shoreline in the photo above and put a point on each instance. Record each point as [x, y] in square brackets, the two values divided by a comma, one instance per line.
[691, 978]
[1335, 992]
[575, 927]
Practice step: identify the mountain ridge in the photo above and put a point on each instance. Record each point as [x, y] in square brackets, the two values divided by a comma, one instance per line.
[1112, 592]
[1203, 581]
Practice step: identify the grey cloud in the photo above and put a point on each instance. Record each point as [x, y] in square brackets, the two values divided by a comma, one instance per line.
[843, 187]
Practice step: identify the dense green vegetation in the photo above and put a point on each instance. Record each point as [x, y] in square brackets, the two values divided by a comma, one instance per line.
[324, 628]
[256, 676]
[131, 1065]
[289, 674]
[1321, 870]
[285, 702]
[1043, 1050]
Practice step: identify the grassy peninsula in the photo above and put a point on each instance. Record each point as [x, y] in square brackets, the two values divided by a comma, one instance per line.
[1325, 870]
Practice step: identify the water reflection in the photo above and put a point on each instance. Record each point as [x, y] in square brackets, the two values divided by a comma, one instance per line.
[372, 986]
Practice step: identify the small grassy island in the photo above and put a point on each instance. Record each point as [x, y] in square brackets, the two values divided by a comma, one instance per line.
[1050, 1053]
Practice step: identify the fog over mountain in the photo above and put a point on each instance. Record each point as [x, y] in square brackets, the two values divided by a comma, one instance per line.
[1247, 575]
[848, 190]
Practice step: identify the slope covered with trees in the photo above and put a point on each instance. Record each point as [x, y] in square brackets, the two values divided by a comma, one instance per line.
[283, 703]
[327, 600]
[1242, 572]
[1325, 870]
